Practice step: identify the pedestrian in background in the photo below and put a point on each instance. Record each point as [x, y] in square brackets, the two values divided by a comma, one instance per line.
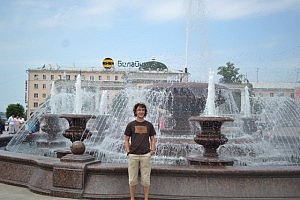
[139, 146]
[11, 124]
[17, 123]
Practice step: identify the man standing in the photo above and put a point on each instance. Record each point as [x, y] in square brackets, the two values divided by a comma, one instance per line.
[139, 146]
[11, 124]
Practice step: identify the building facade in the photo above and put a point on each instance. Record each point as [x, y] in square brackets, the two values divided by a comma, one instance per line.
[265, 89]
[262, 89]
[39, 83]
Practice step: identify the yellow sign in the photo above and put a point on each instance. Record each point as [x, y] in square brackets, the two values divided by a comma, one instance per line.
[108, 63]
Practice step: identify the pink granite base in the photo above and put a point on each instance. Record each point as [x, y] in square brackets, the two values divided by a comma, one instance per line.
[94, 180]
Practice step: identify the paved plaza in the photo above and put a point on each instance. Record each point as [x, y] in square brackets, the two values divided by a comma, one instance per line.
[15, 192]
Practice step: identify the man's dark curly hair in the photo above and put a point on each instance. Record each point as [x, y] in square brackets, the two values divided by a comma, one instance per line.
[139, 105]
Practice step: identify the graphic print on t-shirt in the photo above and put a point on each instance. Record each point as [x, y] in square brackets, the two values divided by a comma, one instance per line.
[140, 129]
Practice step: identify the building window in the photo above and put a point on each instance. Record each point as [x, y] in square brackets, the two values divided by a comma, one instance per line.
[92, 78]
[36, 77]
[292, 95]
[99, 78]
[44, 86]
[44, 96]
[44, 77]
[36, 95]
[271, 94]
[68, 77]
[36, 86]
[108, 78]
[59, 77]
[116, 78]
[52, 77]
[35, 104]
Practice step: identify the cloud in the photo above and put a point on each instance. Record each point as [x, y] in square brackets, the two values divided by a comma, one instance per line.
[103, 13]
[56, 19]
[235, 9]
[97, 13]
[163, 11]
[51, 14]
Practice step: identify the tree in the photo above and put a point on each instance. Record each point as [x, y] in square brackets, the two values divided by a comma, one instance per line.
[15, 109]
[231, 74]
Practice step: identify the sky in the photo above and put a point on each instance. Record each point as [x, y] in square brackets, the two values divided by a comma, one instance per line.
[260, 37]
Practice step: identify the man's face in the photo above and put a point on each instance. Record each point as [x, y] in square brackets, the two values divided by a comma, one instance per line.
[140, 112]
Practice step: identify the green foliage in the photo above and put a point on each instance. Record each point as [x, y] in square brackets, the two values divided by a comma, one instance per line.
[15, 109]
[230, 74]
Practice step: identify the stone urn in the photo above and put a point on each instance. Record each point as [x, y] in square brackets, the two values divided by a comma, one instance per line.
[77, 131]
[210, 138]
[77, 126]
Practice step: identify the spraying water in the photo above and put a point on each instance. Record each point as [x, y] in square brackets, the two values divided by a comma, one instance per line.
[279, 118]
[210, 109]
[103, 108]
[78, 95]
[247, 107]
[52, 95]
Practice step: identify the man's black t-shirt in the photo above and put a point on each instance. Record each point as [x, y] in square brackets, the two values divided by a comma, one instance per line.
[139, 133]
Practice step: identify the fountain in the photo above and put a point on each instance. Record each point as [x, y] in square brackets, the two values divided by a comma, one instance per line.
[210, 136]
[104, 175]
[76, 131]
[180, 101]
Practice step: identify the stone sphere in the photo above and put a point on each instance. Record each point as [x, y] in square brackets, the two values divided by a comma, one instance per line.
[77, 148]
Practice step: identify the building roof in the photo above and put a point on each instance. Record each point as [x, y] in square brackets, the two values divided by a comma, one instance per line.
[153, 66]
[277, 85]
[150, 66]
